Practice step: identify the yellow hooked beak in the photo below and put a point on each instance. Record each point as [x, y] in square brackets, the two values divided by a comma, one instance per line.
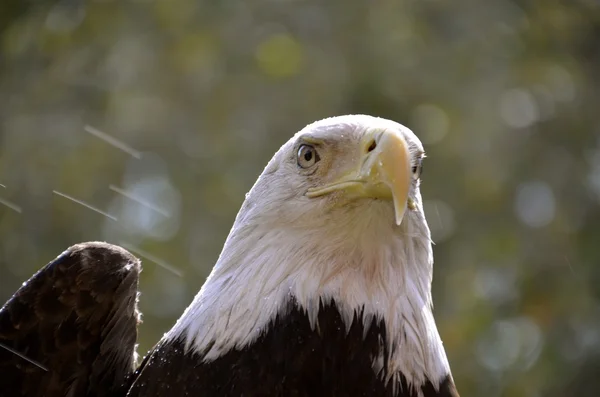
[382, 172]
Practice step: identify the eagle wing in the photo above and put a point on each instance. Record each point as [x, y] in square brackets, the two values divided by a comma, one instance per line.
[71, 329]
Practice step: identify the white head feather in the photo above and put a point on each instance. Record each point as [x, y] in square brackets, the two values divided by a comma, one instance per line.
[284, 244]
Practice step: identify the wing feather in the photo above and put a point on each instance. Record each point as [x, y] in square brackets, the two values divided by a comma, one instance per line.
[77, 318]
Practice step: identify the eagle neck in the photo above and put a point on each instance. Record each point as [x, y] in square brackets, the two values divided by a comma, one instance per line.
[379, 276]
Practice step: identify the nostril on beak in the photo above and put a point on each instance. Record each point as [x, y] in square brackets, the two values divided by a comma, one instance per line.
[372, 146]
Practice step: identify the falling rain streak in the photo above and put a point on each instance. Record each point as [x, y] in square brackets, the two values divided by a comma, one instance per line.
[113, 141]
[85, 205]
[152, 258]
[437, 211]
[10, 205]
[138, 200]
[569, 263]
[24, 357]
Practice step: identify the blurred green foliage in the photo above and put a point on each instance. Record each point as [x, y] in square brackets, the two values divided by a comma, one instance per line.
[504, 94]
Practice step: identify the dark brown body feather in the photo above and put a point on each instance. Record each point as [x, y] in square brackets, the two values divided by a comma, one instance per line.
[289, 360]
[77, 317]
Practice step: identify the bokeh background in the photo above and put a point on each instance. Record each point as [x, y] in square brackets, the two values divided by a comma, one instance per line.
[199, 94]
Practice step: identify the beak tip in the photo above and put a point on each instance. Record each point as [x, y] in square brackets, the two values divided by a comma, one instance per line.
[399, 213]
[398, 220]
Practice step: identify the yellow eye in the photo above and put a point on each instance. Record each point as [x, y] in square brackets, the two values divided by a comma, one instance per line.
[307, 156]
[417, 169]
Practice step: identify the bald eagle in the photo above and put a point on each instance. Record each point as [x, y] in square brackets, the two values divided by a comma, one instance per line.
[323, 288]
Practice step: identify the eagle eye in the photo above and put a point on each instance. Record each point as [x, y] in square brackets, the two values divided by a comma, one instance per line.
[417, 169]
[307, 156]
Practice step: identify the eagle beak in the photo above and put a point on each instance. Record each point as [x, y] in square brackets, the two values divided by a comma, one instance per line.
[383, 172]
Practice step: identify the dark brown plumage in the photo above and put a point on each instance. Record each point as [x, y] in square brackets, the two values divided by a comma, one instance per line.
[290, 359]
[78, 318]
